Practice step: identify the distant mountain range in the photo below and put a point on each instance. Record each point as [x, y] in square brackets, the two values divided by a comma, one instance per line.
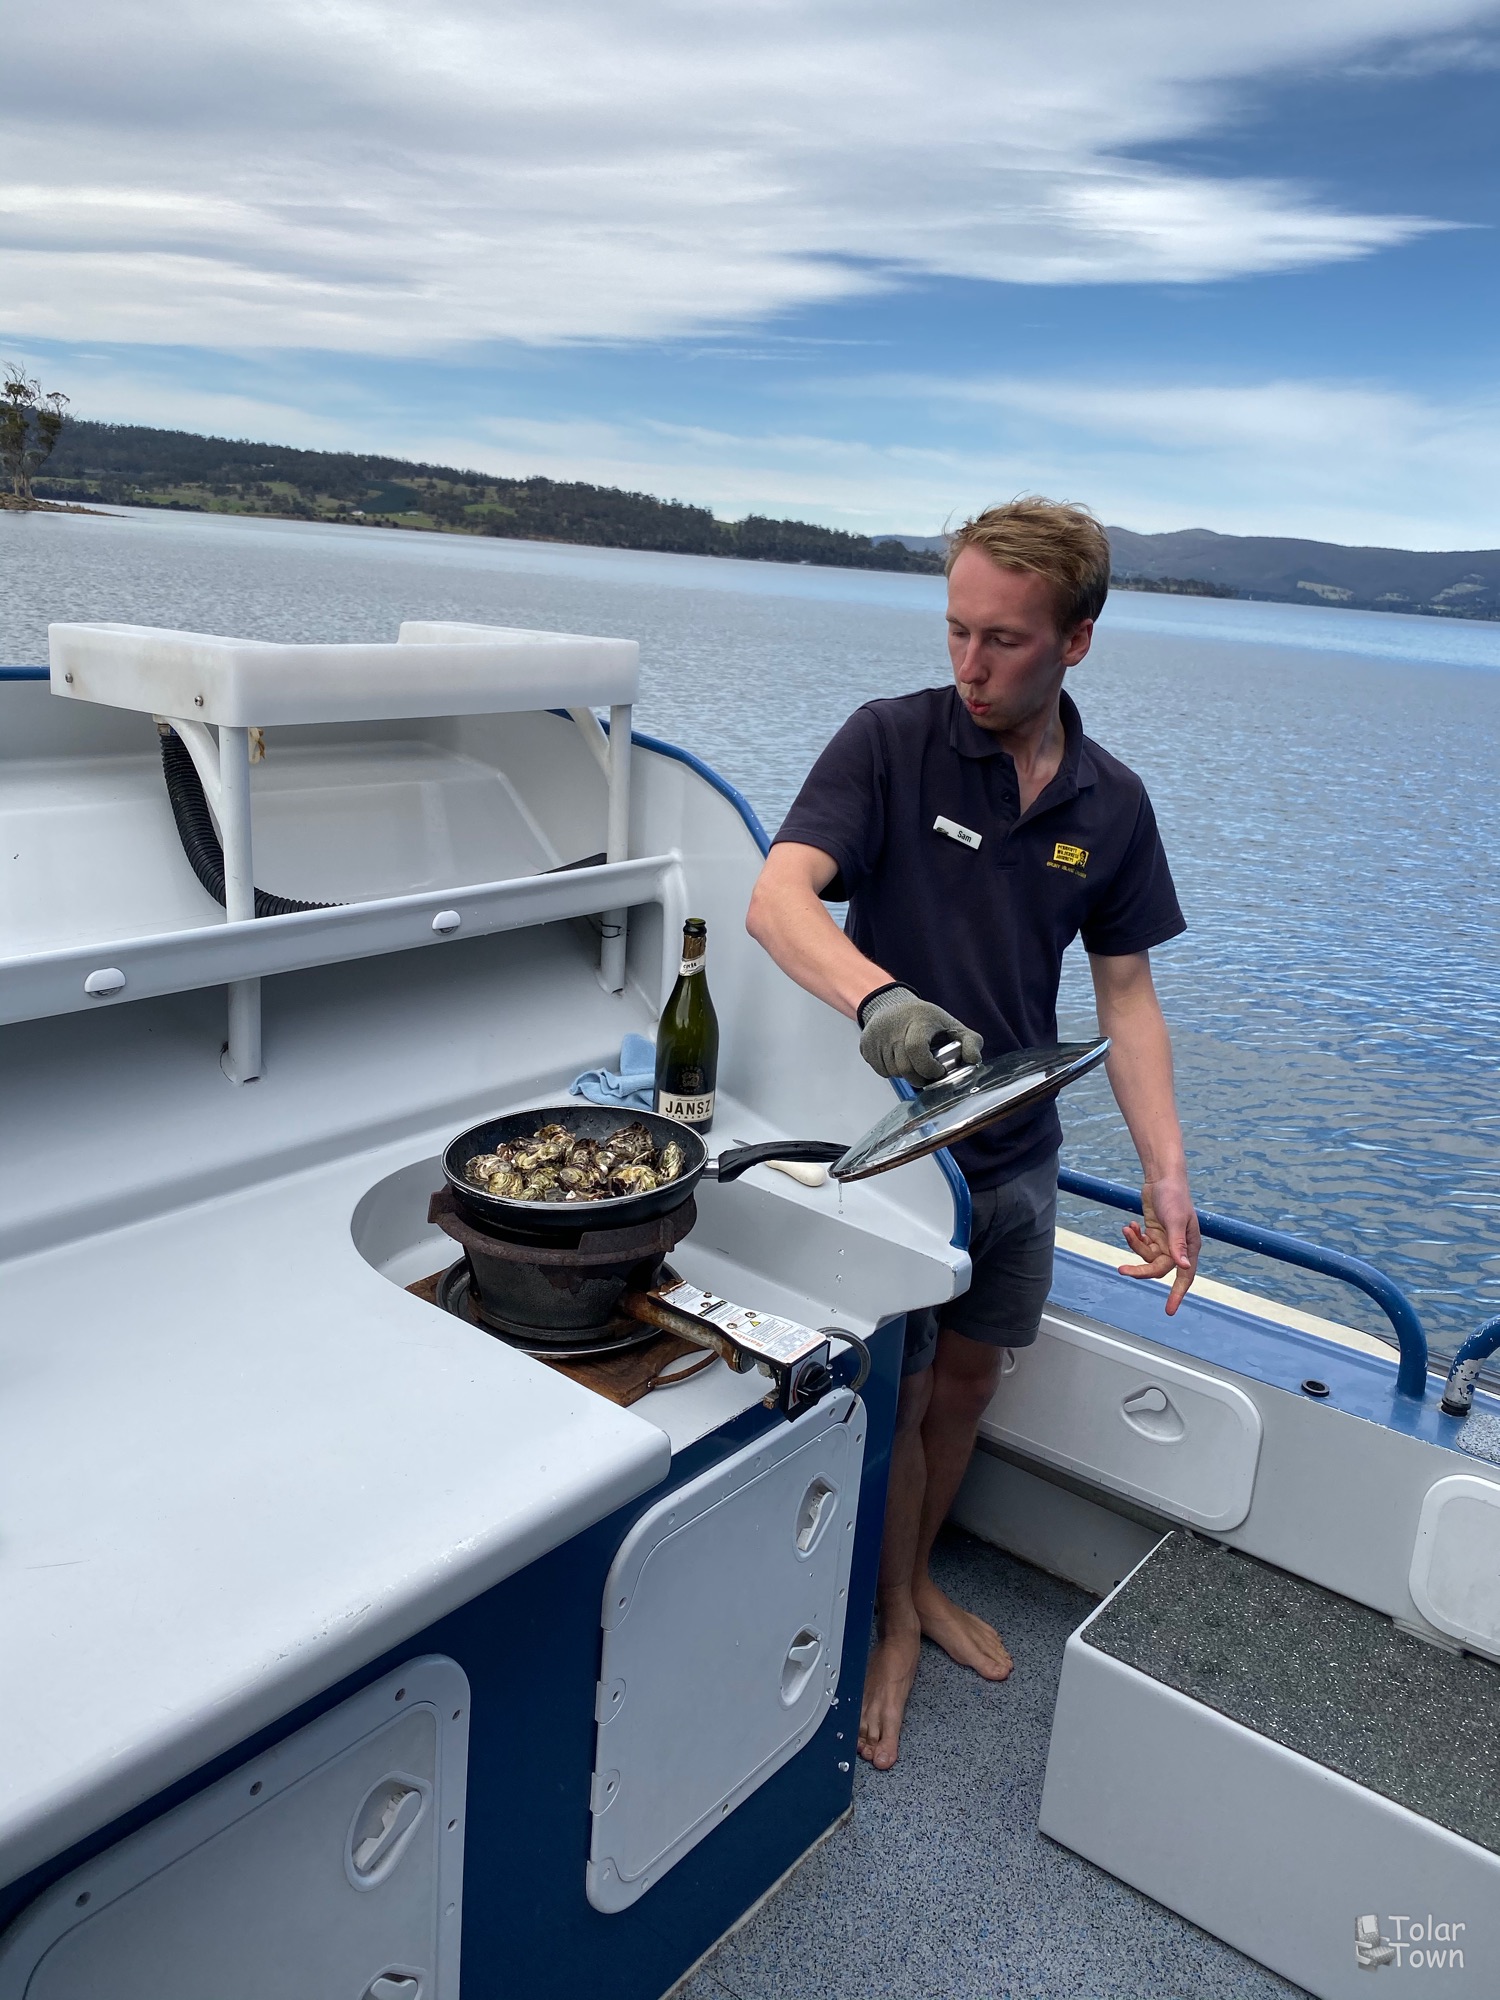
[1450, 583]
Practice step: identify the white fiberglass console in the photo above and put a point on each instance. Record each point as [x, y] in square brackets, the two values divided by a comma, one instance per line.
[431, 669]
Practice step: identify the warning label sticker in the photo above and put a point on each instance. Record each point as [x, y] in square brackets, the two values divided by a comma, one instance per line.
[762, 1333]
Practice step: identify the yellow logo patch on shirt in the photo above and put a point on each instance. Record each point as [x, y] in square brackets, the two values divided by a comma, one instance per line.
[1074, 859]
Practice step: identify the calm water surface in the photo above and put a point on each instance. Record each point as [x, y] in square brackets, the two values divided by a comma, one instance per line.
[1325, 780]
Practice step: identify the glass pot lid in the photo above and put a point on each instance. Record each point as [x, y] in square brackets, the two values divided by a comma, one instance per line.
[964, 1102]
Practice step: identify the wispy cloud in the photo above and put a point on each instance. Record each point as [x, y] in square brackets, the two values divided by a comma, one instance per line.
[1344, 461]
[378, 176]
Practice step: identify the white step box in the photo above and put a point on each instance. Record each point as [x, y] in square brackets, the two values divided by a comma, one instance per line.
[1291, 1863]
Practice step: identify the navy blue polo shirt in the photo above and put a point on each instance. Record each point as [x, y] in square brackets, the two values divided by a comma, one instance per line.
[979, 924]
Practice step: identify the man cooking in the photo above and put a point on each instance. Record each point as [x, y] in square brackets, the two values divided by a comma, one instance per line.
[975, 831]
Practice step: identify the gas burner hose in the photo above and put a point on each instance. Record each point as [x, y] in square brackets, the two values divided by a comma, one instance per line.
[862, 1370]
[195, 829]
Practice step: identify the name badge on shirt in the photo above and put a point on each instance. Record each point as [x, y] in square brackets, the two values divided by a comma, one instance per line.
[964, 835]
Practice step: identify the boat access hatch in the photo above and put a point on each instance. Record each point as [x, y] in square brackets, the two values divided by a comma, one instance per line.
[339, 1851]
[723, 1622]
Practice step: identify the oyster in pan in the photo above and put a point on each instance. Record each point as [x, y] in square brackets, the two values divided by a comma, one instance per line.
[556, 1165]
[631, 1142]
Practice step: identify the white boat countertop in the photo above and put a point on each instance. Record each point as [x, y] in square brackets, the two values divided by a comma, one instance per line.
[237, 1463]
[238, 1460]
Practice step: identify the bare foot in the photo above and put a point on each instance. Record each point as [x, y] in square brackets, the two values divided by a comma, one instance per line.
[888, 1679]
[962, 1636]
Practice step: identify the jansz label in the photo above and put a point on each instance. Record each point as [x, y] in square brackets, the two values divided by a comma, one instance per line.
[694, 1110]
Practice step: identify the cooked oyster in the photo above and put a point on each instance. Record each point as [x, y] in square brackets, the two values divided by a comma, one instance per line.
[631, 1142]
[556, 1165]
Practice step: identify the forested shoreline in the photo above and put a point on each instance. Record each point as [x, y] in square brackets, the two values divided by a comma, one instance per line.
[132, 465]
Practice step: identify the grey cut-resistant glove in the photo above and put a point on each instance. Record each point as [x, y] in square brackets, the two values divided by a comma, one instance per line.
[897, 1033]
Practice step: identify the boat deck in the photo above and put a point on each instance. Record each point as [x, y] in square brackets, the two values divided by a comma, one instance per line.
[940, 1887]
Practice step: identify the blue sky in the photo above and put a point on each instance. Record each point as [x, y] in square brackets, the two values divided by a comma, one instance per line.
[866, 264]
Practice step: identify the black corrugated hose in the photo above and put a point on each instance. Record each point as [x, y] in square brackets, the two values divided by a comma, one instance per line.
[195, 829]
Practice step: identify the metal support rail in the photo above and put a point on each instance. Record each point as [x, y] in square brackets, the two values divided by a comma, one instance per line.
[1411, 1374]
[81, 977]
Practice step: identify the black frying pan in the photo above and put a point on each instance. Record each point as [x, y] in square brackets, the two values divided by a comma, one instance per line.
[540, 1219]
[961, 1103]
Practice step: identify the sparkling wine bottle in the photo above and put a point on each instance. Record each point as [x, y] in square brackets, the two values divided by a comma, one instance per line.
[687, 1038]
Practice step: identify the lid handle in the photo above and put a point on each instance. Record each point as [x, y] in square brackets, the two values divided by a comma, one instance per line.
[949, 1050]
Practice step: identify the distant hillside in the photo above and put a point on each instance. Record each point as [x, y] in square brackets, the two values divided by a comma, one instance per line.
[1195, 562]
[131, 465]
[1461, 583]
[934, 544]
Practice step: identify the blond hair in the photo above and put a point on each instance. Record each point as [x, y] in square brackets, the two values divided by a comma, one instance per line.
[1056, 539]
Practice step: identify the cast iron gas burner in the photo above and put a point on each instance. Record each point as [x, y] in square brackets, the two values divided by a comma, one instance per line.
[579, 1296]
[618, 1335]
[551, 1296]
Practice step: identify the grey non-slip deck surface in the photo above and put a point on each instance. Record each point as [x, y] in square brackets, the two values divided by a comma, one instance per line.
[940, 1887]
[1331, 1680]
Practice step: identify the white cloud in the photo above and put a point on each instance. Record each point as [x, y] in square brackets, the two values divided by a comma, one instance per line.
[383, 176]
[1337, 461]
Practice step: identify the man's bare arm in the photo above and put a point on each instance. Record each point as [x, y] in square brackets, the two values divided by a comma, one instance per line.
[788, 920]
[1140, 1074]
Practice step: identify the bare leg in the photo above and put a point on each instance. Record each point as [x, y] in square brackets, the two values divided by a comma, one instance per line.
[964, 1378]
[898, 1631]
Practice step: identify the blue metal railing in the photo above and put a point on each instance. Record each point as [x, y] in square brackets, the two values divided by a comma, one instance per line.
[1411, 1374]
[24, 674]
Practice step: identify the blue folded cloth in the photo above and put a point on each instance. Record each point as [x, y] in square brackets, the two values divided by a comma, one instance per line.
[632, 1085]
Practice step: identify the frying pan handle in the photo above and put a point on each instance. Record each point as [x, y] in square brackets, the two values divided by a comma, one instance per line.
[729, 1166]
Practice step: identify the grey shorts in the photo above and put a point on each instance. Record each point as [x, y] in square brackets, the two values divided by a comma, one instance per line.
[1010, 1246]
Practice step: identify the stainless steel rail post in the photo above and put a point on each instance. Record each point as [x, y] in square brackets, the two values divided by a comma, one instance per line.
[241, 1061]
[617, 846]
